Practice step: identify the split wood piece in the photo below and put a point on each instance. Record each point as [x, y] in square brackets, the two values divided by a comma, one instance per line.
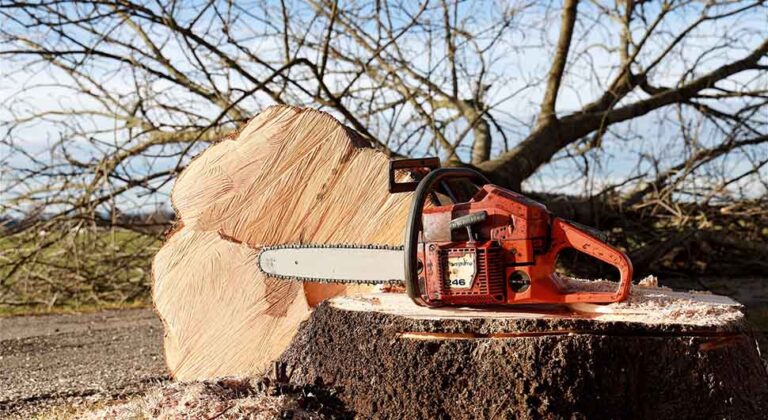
[290, 175]
[644, 359]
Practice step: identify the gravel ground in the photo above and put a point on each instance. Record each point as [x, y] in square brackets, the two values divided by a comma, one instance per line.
[69, 359]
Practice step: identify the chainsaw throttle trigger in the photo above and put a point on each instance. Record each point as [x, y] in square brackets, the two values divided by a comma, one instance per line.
[569, 235]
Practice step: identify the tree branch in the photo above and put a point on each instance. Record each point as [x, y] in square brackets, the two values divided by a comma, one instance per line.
[555, 77]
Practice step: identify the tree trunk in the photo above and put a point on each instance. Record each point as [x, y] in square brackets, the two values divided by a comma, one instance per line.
[663, 355]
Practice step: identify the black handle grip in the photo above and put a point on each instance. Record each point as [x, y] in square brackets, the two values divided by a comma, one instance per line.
[468, 220]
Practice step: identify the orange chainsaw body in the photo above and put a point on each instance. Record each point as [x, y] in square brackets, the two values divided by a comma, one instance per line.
[498, 248]
[512, 256]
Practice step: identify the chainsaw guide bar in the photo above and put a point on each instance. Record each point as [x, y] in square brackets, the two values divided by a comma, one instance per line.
[334, 263]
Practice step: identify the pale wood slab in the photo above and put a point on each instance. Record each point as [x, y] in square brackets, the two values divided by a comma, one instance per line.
[291, 175]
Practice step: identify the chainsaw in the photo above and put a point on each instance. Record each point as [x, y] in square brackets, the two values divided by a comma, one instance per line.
[497, 248]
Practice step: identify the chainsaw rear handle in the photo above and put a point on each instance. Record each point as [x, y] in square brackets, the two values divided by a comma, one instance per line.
[570, 235]
[413, 227]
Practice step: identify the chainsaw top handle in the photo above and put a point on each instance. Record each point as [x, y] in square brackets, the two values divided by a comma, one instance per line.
[413, 227]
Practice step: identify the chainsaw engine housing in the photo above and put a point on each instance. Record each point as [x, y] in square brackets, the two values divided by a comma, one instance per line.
[461, 270]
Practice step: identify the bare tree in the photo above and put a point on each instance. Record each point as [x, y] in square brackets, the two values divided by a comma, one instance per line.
[657, 105]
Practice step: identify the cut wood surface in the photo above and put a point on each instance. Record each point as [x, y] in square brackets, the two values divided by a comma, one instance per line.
[648, 307]
[290, 176]
[663, 354]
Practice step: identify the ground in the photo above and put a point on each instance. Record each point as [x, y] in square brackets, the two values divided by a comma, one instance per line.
[89, 360]
[76, 359]
[109, 364]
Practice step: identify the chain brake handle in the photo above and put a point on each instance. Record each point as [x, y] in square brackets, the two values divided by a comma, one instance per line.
[415, 167]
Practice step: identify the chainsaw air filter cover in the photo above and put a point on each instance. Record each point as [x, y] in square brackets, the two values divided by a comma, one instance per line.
[466, 274]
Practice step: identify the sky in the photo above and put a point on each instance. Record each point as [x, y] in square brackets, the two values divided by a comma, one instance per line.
[523, 61]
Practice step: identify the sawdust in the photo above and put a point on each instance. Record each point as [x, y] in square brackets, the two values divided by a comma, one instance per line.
[230, 399]
[647, 304]
[225, 398]
[649, 281]
[659, 304]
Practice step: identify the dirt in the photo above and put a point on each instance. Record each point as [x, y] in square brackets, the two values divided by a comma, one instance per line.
[72, 359]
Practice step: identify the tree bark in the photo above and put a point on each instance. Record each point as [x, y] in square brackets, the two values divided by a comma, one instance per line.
[481, 147]
[391, 359]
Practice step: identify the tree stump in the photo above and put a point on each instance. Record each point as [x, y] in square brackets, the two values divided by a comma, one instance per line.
[660, 355]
